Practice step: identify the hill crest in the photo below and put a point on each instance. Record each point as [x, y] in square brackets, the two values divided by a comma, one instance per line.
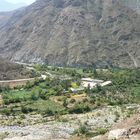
[73, 33]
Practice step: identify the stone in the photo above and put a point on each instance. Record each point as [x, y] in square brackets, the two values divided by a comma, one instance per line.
[117, 134]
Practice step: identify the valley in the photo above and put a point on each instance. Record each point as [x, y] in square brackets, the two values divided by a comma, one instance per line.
[47, 108]
[70, 70]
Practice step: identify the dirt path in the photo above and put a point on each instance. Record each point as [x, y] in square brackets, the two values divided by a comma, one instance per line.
[18, 82]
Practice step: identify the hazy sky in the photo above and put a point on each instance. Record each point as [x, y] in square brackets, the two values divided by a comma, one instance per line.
[21, 1]
[9, 5]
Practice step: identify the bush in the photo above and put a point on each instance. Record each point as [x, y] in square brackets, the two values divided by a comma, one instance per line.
[92, 101]
[36, 93]
[35, 96]
[85, 100]
[72, 101]
[48, 112]
[101, 131]
[65, 102]
[82, 130]
[26, 109]
[80, 108]
[6, 111]
[43, 95]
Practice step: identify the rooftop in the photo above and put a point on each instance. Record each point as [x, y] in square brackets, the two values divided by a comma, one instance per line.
[92, 80]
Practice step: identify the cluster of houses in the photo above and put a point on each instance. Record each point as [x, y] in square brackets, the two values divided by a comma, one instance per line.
[91, 83]
[88, 82]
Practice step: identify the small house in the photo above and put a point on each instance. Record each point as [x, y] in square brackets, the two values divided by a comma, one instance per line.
[89, 82]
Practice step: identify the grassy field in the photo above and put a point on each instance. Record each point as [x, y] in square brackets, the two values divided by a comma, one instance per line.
[48, 106]
[14, 96]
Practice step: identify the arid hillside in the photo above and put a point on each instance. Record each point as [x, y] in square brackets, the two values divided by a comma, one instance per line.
[12, 71]
[73, 33]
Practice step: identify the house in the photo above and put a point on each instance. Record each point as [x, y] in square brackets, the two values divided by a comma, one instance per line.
[106, 83]
[89, 82]
[75, 90]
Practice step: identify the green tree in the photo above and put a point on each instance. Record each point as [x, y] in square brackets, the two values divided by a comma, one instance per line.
[65, 102]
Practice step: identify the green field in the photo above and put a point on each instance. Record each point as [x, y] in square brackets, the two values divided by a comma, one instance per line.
[37, 96]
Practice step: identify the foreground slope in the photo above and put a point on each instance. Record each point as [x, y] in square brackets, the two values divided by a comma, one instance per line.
[73, 33]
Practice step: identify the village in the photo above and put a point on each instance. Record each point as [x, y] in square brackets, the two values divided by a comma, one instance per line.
[90, 83]
[85, 82]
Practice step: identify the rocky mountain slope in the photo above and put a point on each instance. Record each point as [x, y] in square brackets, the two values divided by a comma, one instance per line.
[128, 129]
[73, 33]
[133, 4]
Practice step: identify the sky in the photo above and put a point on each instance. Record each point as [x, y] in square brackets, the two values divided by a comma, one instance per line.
[21, 1]
[9, 5]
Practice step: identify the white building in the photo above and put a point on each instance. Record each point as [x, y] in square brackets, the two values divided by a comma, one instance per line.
[106, 83]
[89, 82]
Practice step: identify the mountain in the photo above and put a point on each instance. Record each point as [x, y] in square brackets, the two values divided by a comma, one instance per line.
[73, 33]
[133, 4]
[7, 6]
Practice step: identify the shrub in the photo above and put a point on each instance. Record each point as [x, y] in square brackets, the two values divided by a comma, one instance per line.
[82, 130]
[72, 101]
[92, 100]
[6, 111]
[65, 102]
[80, 108]
[101, 131]
[26, 109]
[48, 112]
[85, 100]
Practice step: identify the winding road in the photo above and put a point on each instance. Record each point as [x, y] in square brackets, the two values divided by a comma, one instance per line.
[18, 82]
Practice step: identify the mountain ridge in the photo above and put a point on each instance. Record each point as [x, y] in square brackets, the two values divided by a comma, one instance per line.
[7, 6]
[73, 33]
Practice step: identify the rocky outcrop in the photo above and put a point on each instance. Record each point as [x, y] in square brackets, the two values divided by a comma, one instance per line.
[128, 129]
[73, 33]
[117, 134]
[134, 4]
[125, 134]
[39, 132]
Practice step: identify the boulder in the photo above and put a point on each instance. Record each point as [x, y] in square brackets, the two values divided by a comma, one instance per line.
[117, 134]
